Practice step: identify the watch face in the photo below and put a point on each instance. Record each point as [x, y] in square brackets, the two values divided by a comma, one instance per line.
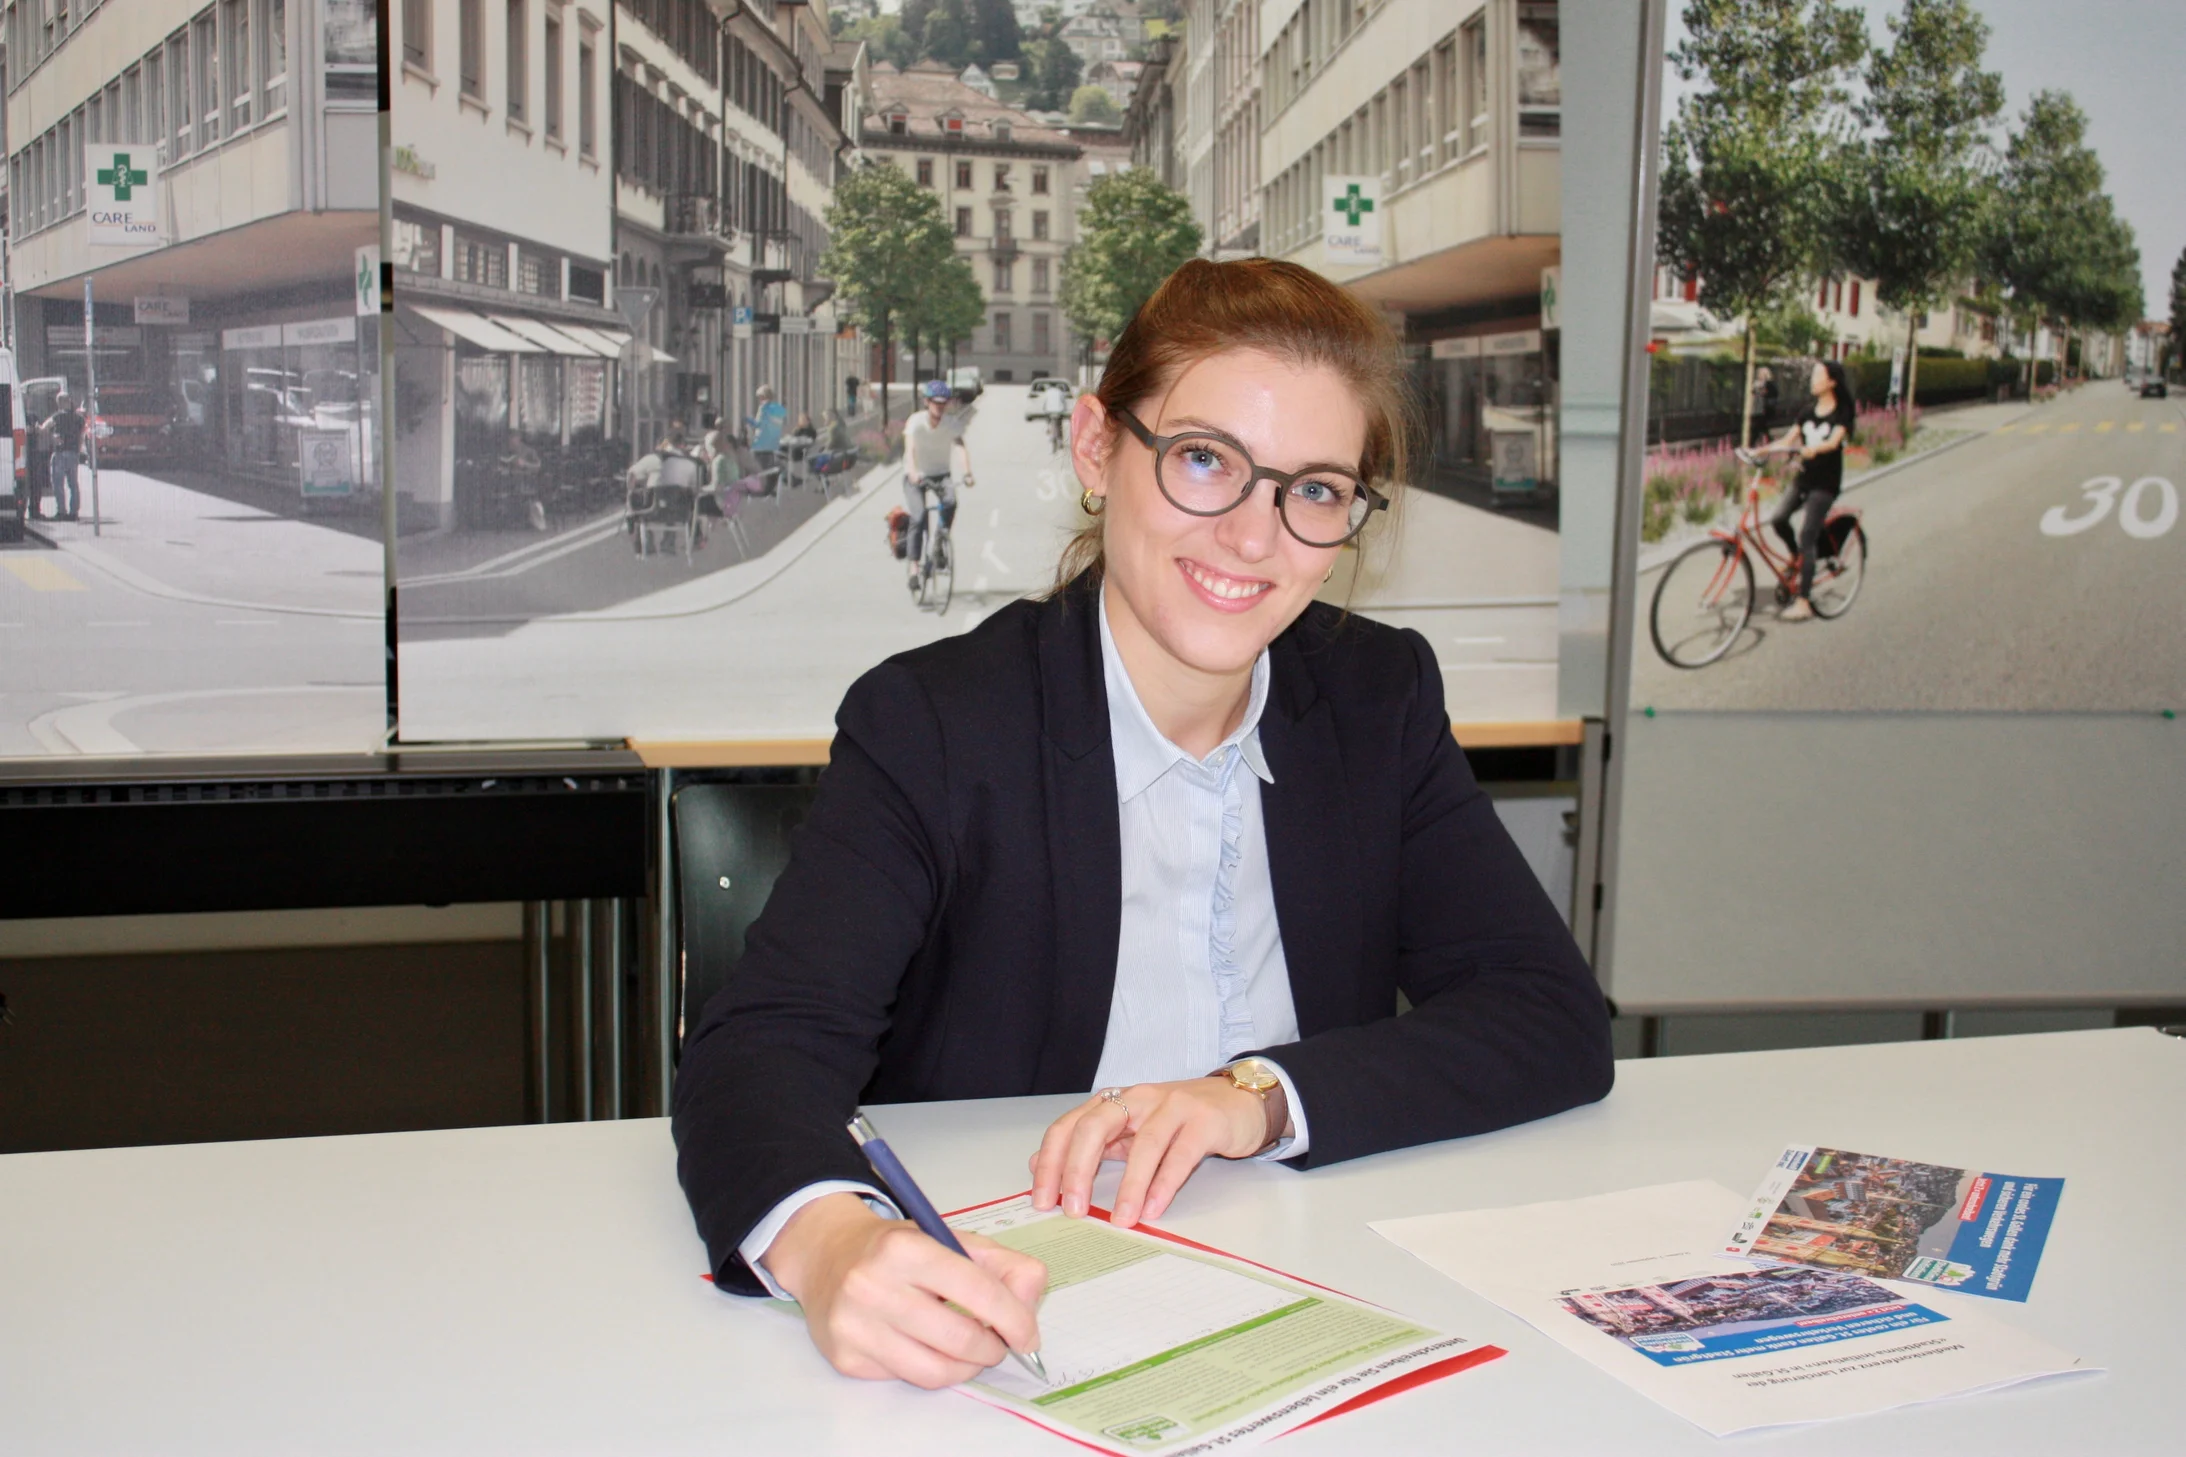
[1254, 1074]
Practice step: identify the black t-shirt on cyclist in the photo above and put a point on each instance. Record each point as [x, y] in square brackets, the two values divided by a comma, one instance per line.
[1824, 472]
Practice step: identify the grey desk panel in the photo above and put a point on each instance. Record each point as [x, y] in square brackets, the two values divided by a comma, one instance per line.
[1937, 860]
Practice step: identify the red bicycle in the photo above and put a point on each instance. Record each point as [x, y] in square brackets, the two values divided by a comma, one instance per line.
[1706, 595]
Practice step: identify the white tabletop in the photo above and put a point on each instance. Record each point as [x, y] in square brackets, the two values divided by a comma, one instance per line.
[537, 1289]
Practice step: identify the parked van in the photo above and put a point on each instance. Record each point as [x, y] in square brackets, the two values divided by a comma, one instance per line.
[16, 482]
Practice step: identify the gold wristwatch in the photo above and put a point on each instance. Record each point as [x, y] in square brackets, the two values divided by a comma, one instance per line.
[1253, 1076]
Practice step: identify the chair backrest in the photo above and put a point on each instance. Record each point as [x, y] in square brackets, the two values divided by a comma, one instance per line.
[731, 842]
[681, 470]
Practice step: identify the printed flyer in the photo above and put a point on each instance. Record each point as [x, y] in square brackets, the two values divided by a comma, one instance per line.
[1977, 1233]
[1159, 1345]
[1636, 1283]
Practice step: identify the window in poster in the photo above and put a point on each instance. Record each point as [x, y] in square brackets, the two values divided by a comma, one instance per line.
[352, 50]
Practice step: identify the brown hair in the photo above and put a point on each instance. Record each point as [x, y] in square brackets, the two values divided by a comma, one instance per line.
[1277, 308]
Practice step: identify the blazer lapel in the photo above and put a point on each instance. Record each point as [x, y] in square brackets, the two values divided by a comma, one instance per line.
[1310, 843]
[1085, 842]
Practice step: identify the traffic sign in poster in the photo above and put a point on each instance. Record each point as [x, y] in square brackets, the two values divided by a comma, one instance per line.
[123, 194]
[1351, 219]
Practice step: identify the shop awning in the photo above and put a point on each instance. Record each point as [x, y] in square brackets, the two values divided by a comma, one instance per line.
[475, 329]
[610, 342]
[551, 337]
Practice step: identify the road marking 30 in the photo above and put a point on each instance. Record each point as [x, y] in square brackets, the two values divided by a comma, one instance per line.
[2147, 510]
[41, 574]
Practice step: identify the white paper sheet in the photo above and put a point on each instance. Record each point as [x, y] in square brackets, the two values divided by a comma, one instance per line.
[1633, 1281]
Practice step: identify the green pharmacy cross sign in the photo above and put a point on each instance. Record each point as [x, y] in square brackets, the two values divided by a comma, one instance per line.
[1351, 205]
[122, 177]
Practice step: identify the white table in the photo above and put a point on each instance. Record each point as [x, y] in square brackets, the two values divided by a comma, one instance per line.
[537, 1289]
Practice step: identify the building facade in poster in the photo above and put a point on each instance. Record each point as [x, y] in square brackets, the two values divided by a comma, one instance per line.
[503, 213]
[1008, 186]
[1411, 152]
[211, 170]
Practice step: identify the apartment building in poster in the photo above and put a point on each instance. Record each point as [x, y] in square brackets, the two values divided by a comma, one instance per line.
[1008, 187]
[251, 126]
[505, 319]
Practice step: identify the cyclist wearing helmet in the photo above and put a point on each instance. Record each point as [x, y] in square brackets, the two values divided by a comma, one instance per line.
[927, 437]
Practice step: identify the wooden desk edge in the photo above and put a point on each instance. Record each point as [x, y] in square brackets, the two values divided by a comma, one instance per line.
[793, 753]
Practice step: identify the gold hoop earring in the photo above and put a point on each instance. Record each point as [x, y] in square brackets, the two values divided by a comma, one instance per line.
[1091, 504]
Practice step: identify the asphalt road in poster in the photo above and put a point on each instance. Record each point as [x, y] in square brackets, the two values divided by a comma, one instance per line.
[201, 619]
[2039, 567]
[764, 648]
[189, 624]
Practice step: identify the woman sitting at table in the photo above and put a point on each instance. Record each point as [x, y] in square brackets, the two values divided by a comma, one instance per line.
[1175, 833]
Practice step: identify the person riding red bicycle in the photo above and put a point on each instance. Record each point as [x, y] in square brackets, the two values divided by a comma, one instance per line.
[1818, 438]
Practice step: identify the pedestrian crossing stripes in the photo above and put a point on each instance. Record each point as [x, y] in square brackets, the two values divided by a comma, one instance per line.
[2100, 427]
[42, 574]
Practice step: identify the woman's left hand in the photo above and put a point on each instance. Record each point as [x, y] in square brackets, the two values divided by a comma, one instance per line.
[1160, 1130]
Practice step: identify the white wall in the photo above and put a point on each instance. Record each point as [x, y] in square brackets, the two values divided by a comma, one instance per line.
[489, 170]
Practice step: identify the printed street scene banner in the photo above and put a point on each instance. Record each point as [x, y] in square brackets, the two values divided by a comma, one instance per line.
[1986, 515]
[555, 322]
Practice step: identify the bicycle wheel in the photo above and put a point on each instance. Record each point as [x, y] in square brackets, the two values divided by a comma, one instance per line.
[1702, 603]
[1842, 568]
[941, 574]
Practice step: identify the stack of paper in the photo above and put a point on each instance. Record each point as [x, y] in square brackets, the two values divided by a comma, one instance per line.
[1638, 1283]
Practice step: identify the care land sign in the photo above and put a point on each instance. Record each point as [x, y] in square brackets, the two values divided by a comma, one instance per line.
[122, 195]
[1351, 219]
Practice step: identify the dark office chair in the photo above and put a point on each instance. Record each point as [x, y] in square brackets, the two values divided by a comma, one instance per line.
[731, 842]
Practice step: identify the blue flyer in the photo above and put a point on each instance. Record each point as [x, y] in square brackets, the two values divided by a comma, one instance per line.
[1956, 1229]
[1745, 1313]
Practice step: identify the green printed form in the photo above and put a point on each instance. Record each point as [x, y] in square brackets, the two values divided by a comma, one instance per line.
[1149, 1344]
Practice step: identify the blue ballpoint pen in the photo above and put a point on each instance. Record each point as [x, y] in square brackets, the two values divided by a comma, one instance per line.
[899, 1183]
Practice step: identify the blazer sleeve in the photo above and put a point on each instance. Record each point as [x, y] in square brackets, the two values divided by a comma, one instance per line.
[772, 1073]
[1507, 1022]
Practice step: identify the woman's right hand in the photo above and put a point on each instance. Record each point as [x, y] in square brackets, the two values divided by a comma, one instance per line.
[874, 1293]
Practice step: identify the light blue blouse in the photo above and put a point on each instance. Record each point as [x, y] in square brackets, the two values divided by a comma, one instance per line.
[1200, 975]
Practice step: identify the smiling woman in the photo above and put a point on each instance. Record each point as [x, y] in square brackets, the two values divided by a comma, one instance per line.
[1174, 838]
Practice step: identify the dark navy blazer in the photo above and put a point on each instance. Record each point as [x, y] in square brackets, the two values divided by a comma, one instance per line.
[948, 921]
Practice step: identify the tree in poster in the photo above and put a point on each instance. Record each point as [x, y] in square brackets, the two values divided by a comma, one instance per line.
[1055, 71]
[947, 308]
[1133, 232]
[886, 243]
[1913, 204]
[1092, 106]
[2176, 345]
[1748, 163]
[2056, 250]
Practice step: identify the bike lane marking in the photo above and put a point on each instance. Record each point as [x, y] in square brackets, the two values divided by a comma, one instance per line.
[42, 575]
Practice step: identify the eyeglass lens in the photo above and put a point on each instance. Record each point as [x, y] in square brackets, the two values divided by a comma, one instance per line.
[1207, 476]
